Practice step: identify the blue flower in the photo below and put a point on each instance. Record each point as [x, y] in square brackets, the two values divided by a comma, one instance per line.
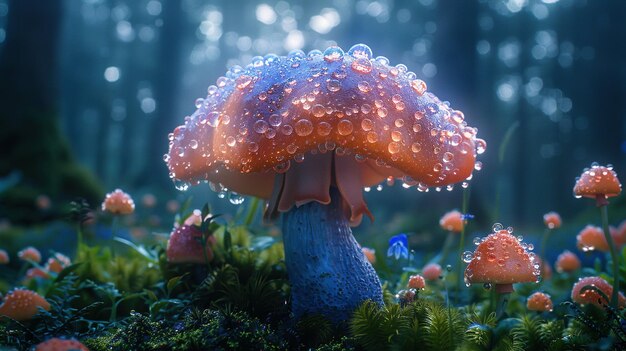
[398, 246]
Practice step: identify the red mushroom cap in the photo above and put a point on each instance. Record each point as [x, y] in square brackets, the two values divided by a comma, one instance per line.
[597, 181]
[30, 253]
[431, 271]
[184, 246]
[21, 304]
[539, 302]
[452, 221]
[552, 220]
[501, 259]
[57, 263]
[118, 202]
[57, 344]
[591, 296]
[4, 257]
[416, 282]
[592, 238]
[567, 262]
[287, 128]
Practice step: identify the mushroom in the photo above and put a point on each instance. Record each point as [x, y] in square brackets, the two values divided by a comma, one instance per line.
[591, 296]
[22, 304]
[552, 220]
[184, 246]
[309, 133]
[567, 262]
[118, 203]
[417, 282]
[591, 238]
[432, 271]
[539, 302]
[453, 222]
[58, 344]
[370, 254]
[501, 259]
[4, 257]
[30, 254]
[57, 263]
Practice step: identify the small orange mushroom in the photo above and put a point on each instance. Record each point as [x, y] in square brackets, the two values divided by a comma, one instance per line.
[118, 203]
[4, 257]
[184, 246]
[567, 262]
[57, 263]
[58, 344]
[21, 304]
[590, 296]
[598, 182]
[539, 302]
[452, 221]
[36, 272]
[592, 238]
[30, 254]
[417, 282]
[552, 220]
[432, 271]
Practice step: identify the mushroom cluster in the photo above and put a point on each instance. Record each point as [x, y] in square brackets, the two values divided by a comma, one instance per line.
[308, 133]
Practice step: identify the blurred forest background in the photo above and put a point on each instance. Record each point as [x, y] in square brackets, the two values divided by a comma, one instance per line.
[90, 89]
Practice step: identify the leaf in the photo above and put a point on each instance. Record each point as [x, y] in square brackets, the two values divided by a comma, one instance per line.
[139, 248]
[228, 241]
[261, 243]
[173, 283]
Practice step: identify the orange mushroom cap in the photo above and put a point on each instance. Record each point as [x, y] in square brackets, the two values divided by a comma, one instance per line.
[452, 221]
[30, 253]
[539, 302]
[4, 257]
[592, 238]
[501, 259]
[57, 263]
[370, 254]
[21, 304]
[118, 202]
[58, 344]
[287, 128]
[184, 246]
[35, 272]
[431, 271]
[567, 262]
[591, 296]
[597, 181]
[552, 220]
[416, 282]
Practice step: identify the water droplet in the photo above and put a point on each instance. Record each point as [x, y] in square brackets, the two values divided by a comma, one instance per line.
[419, 86]
[396, 135]
[193, 144]
[366, 124]
[382, 112]
[243, 81]
[360, 51]
[318, 110]
[199, 102]
[260, 126]
[333, 53]
[481, 146]
[393, 147]
[497, 227]
[361, 65]
[324, 128]
[416, 147]
[364, 87]
[333, 85]
[478, 165]
[344, 127]
[476, 241]
[467, 256]
[372, 137]
[235, 198]
[487, 286]
[304, 127]
[213, 118]
[282, 167]
[448, 157]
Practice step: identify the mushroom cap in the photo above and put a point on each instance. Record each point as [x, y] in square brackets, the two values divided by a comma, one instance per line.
[308, 117]
[591, 296]
[21, 304]
[30, 253]
[370, 254]
[416, 282]
[501, 259]
[552, 220]
[452, 221]
[4, 257]
[58, 344]
[431, 271]
[592, 238]
[597, 180]
[184, 246]
[118, 202]
[567, 262]
[539, 302]
[35, 272]
[57, 263]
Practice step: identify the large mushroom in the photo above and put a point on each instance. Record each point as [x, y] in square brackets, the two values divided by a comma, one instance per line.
[308, 133]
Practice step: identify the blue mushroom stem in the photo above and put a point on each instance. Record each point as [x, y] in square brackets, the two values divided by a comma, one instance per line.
[329, 273]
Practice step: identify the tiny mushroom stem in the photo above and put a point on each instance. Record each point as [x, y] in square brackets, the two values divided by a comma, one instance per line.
[503, 291]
